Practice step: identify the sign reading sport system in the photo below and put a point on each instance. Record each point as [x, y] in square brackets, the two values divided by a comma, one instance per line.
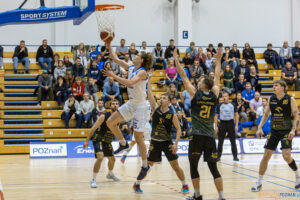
[48, 150]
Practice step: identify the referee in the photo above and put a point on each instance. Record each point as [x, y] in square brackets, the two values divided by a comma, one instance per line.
[228, 113]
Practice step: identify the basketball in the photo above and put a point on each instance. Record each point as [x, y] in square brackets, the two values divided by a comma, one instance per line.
[107, 37]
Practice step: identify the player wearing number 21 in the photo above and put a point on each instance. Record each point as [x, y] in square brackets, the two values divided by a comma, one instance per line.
[204, 101]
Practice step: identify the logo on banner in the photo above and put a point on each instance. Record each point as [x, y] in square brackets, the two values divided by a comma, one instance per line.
[254, 145]
[44, 15]
[183, 148]
[79, 149]
[48, 150]
[185, 34]
[76, 150]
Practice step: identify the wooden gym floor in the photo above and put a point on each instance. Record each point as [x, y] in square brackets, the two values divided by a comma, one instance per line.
[66, 179]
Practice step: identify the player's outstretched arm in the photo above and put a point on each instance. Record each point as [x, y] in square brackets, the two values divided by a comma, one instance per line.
[178, 135]
[113, 56]
[265, 117]
[186, 82]
[216, 87]
[150, 94]
[295, 113]
[93, 129]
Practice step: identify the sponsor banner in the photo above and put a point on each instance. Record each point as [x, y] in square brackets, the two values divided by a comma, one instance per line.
[254, 145]
[48, 150]
[295, 145]
[227, 146]
[183, 147]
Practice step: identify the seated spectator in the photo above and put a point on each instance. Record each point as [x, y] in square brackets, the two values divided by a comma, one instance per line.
[95, 73]
[82, 53]
[174, 107]
[54, 63]
[91, 89]
[255, 103]
[44, 87]
[188, 60]
[253, 79]
[240, 85]
[285, 54]
[211, 75]
[111, 91]
[226, 60]
[248, 93]
[104, 55]
[192, 50]
[208, 62]
[186, 99]
[78, 89]
[127, 60]
[1, 57]
[116, 68]
[100, 62]
[241, 105]
[242, 69]
[228, 77]
[78, 69]
[249, 56]
[122, 50]
[184, 124]
[60, 70]
[144, 48]
[173, 92]
[69, 80]
[158, 57]
[271, 57]
[72, 111]
[196, 71]
[20, 55]
[289, 75]
[132, 51]
[44, 55]
[211, 49]
[124, 127]
[67, 63]
[296, 54]
[171, 74]
[201, 57]
[93, 54]
[220, 47]
[169, 51]
[212, 67]
[60, 91]
[98, 110]
[86, 107]
[235, 55]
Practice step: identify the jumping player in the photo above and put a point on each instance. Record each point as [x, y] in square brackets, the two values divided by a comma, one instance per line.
[136, 107]
[161, 138]
[102, 138]
[284, 121]
[204, 101]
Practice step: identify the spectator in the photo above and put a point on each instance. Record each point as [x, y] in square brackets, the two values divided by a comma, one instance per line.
[69, 80]
[144, 48]
[132, 51]
[1, 57]
[184, 124]
[186, 99]
[171, 74]
[121, 51]
[158, 56]
[95, 73]
[188, 60]
[116, 68]
[211, 75]
[235, 55]
[192, 50]
[93, 54]
[60, 91]
[289, 75]
[253, 79]
[255, 103]
[98, 110]
[127, 60]
[67, 63]
[240, 85]
[60, 70]
[124, 127]
[104, 56]
[242, 69]
[45, 87]
[201, 57]
[196, 71]
[249, 56]
[228, 77]
[248, 93]
[54, 63]
[174, 105]
[72, 111]
[169, 51]
[271, 57]
[100, 62]
[44, 55]
[295, 54]
[226, 60]
[82, 53]
[211, 49]
[220, 47]
[173, 92]
[285, 54]
[241, 105]
[78, 69]
[212, 67]
[91, 89]
[208, 62]
[123, 88]
[20, 55]
[86, 107]
[111, 91]
[78, 89]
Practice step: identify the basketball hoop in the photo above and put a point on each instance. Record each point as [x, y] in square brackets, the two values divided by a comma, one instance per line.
[106, 15]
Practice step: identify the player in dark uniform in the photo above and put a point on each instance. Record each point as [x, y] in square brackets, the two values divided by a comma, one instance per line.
[284, 121]
[202, 140]
[102, 139]
[161, 138]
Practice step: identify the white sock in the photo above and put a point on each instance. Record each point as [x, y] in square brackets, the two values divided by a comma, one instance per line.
[94, 176]
[183, 182]
[144, 163]
[260, 178]
[197, 192]
[123, 142]
[138, 182]
[221, 195]
[297, 174]
[110, 172]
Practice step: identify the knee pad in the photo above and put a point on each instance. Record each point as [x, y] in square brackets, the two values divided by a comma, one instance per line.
[214, 170]
[194, 166]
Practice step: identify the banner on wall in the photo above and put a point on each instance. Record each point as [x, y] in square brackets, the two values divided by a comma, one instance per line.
[48, 150]
[227, 146]
[254, 145]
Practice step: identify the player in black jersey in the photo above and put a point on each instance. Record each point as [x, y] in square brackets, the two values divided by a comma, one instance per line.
[204, 101]
[102, 138]
[161, 137]
[284, 121]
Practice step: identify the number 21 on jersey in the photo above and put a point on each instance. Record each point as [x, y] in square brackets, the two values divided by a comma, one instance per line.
[205, 111]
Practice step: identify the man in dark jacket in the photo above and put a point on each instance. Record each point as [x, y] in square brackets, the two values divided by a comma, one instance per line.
[169, 51]
[21, 55]
[1, 57]
[249, 56]
[271, 57]
[45, 87]
[295, 53]
[44, 55]
[242, 69]
[78, 69]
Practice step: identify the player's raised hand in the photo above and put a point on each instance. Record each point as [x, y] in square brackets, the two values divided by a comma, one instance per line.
[107, 71]
[174, 149]
[219, 55]
[175, 54]
[259, 133]
[112, 53]
[86, 144]
[291, 135]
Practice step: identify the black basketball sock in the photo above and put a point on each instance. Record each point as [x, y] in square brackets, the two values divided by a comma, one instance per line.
[293, 165]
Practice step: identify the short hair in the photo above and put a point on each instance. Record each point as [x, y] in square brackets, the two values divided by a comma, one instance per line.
[100, 100]
[281, 83]
[122, 40]
[220, 44]
[172, 40]
[168, 97]
[56, 54]
[248, 83]
[60, 77]
[210, 45]
[68, 70]
[78, 78]
[209, 83]
[44, 40]
[288, 62]
[227, 47]
[192, 43]
[77, 58]
[144, 42]
[147, 60]
[158, 44]
[114, 100]
[225, 92]
[239, 92]
[269, 45]
[22, 41]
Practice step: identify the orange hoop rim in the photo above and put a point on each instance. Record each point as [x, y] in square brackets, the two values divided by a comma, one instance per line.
[106, 7]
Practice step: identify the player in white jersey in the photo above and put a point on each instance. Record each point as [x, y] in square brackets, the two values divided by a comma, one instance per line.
[136, 107]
